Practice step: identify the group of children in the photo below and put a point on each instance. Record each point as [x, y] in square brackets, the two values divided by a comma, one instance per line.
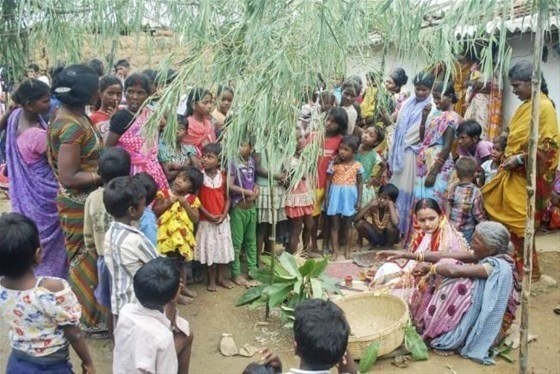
[43, 313]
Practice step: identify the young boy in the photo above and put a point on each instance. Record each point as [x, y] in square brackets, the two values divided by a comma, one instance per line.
[150, 337]
[320, 338]
[126, 247]
[243, 213]
[465, 208]
[148, 222]
[382, 228]
[114, 162]
[469, 143]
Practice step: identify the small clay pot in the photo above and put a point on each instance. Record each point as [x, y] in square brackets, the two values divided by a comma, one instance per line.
[348, 281]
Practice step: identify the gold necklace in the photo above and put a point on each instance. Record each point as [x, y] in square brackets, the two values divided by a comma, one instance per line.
[380, 222]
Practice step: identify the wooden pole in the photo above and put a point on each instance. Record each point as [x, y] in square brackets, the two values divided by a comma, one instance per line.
[272, 238]
[531, 167]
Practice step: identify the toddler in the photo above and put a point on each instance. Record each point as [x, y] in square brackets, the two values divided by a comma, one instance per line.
[148, 222]
[174, 158]
[490, 167]
[126, 247]
[42, 313]
[177, 209]
[469, 144]
[214, 246]
[465, 208]
[243, 213]
[382, 228]
[344, 191]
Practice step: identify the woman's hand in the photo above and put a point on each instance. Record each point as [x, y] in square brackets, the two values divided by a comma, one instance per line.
[390, 255]
[421, 268]
[510, 163]
[430, 180]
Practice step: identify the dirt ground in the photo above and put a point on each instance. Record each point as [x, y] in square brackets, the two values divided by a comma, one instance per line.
[213, 314]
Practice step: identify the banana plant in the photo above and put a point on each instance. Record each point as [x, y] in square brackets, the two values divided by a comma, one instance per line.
[289, 284]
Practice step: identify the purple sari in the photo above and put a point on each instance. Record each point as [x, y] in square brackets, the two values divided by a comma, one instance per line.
[33, 191]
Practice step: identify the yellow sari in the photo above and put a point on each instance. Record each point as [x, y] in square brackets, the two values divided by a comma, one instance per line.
[505, 197]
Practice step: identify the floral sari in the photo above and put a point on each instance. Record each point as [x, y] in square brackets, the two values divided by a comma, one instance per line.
[429, 152]
[399, 273]
[143, 152]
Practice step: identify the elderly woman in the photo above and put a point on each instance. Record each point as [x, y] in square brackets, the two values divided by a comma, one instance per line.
[74, 146]
[466, 300]
[505, 197]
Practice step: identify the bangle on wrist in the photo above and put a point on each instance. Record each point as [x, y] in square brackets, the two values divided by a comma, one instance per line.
[433, 269]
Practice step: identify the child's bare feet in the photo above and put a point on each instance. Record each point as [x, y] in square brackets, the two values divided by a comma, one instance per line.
[240, 280]
[225, 284]
[186, 292]
[184, 300]
[212, 287]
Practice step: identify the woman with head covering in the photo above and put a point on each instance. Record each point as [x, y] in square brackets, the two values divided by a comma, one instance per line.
[73, 149]
[32, 182]
[505, 197]
[402, 154]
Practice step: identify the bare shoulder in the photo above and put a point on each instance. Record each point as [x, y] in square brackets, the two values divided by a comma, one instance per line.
[52, 284]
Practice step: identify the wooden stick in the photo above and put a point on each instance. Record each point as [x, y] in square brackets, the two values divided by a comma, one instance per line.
[531, 167]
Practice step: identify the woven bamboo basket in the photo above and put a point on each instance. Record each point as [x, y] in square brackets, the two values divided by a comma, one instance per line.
[372, 318]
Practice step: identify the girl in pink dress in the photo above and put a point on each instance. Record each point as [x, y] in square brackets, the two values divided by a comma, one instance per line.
[200, 130]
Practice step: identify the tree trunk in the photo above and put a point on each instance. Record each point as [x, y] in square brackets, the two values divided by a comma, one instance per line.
[531, 167]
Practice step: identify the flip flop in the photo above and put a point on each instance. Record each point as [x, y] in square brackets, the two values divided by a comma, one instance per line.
[557, 309]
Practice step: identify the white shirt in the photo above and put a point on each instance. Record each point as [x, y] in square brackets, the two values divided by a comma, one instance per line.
[143, 342]
[352, 118]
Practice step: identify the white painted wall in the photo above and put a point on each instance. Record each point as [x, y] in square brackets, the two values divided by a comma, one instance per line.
[522, 49]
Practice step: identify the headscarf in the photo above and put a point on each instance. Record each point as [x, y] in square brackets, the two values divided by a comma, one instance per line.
[409, 115]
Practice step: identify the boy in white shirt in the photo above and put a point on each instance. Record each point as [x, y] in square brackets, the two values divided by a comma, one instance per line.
[150, 337]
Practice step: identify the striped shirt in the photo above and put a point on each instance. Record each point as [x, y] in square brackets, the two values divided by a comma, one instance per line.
[126, 250]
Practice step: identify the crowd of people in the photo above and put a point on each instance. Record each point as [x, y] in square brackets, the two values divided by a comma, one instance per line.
[97, 202]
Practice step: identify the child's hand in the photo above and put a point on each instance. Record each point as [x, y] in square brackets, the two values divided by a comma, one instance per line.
[272, 360]
[358, 206]
[88, 368]
[426, 110]
[173, 199]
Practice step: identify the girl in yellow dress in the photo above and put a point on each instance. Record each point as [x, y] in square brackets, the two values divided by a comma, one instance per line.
[177, 212]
